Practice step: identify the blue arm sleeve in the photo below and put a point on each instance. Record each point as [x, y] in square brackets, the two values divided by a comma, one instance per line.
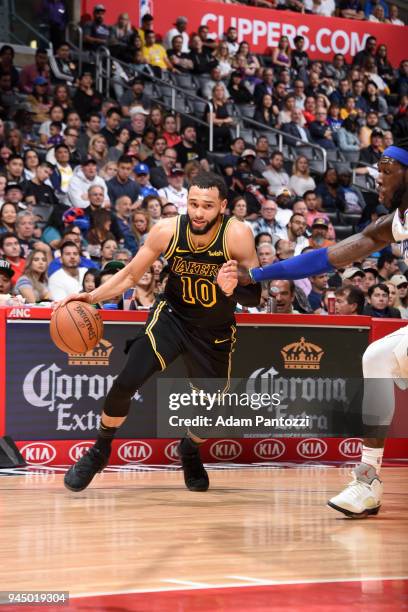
[314, 262]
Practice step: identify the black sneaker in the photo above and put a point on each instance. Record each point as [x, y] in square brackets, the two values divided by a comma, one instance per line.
[195, 476]
[81, 473]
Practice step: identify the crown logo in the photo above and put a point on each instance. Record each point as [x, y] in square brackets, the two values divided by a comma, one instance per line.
[96, 356]
[302, 355]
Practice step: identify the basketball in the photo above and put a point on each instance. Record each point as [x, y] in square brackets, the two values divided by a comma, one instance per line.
[76, 327]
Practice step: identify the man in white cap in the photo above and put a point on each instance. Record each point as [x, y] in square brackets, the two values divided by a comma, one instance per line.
[353, 276]
[179, 29]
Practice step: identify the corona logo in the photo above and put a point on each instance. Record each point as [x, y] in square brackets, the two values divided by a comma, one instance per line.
[225, 450]
[134, 451]
[302, 355]
[98, 356]
[351, 448]
[171, 451]
[269, 449]
[312, 448]
[79, 449]
[38, 453]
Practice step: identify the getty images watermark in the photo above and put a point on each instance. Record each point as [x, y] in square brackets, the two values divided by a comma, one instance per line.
[215, 413]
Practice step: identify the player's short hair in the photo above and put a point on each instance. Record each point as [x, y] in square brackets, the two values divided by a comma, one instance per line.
[206, 180]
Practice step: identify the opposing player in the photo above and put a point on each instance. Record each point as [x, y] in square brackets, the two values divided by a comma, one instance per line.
[194, 317]
[385, 361]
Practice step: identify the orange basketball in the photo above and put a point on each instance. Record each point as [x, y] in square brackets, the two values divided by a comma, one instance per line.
[76, 327]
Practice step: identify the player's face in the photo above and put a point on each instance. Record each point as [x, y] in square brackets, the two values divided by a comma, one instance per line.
[392, 182]
[204, 208]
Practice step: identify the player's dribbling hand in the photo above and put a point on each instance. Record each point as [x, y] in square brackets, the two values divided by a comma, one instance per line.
[227, 278]
[81, 297]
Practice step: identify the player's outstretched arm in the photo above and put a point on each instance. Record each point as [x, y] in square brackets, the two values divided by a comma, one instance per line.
[156, 243]
[373, 238]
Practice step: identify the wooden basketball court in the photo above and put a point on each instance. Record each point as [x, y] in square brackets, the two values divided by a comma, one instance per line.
[260, 539]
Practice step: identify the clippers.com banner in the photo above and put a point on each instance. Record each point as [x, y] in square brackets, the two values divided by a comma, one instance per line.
[262, 28]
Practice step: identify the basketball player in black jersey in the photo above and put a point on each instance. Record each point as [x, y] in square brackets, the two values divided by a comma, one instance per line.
[193, 318]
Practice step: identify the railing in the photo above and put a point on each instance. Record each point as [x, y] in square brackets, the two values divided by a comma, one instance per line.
[16, 18]
[79, 48]
[103, 74]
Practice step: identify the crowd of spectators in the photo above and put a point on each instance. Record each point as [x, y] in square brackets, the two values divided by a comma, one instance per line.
[84, 177]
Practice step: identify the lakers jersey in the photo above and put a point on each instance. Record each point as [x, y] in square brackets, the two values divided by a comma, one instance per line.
[191, 289]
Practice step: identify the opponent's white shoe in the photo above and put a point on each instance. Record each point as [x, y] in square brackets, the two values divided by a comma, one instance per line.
[359, 499]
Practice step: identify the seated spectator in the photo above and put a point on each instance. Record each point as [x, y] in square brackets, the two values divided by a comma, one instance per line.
[156, 120]
[282, 54]
[372, 122]
[237, 90]
[316, 295]
[170, 133]
[222, 55]
[137, 125]
[14, 194]
[266, 253]
[108, 247]
[378, 299]
[91, 280]
[347, 136]
[141, 225]
[215, 79]
[350, 199]
[146, 146]
[152, 205]
[6, 274]
[86, 100]
[284, 201]
[68, 279]
[353, 276]
[7, 55]
[67, 69]
[320, 131]
[144, 293]
[351, 9]
[121, 223]
[401, 283]
[301, 181]
[10, 250]
[265, 86]
[384, 67]
[320, 230]
[123, 29]
[285, 115]
[134, 96]
[295, 127]
[327, 189]
[9, 99]
[202, 58]
[295, 232]
[159, 146]
[96, 32]
[377, 14]
[309, 112]
[39, 101]
[31, 72]
[84, 177]
[142, 176]
[175, 193]
[387, 266]
[349, 301]
[283, 292]
[33, 284]
[62, 97]
[98, 150]
[123, 255]
[160, 175]
[393, 17]
[275, 174]
[62, 173]
[375, 101]
[100, 233]
[349, 109]
[222, 120]
[300, 59]
[321, 7]
[31, 162]
[178, 57]
[112, 122]
[179, 31]
[155, 55]
[264, 112]
[8, 217]
[239, 208]
[44, 195]
[266, 223]
[188, 149]
[371, 155]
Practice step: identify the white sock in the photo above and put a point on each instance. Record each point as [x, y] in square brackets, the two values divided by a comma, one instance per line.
[373, 457]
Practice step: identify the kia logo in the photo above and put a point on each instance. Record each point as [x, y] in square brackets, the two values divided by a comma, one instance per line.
[135, 451]
[311, 448]
[351, 447]
[269, 448]
[38, 453]
[225, 450]
[171, 451]
[79, 449]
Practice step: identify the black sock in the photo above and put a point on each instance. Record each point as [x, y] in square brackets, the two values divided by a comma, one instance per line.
[105, 437]
[188, 446]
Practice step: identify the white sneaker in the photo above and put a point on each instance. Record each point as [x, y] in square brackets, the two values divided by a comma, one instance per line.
[358, 499]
